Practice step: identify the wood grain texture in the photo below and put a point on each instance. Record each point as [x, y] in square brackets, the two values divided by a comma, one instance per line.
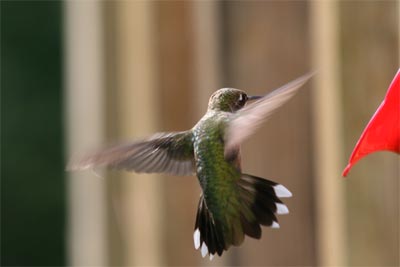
[266, 44]
[369, 56]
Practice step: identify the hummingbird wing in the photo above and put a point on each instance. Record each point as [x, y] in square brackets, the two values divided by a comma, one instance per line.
[170, 153]
[248, 119]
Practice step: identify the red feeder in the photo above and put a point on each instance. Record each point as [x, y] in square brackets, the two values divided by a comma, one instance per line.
[383, 130]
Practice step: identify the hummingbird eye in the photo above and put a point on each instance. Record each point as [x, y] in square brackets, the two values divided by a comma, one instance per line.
[242, 99]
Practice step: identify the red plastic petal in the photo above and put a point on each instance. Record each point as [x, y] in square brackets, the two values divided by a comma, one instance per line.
[383, 130]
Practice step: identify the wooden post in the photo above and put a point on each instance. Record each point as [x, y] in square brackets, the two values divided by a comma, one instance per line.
[369, 60]
[137, 107]
[87, 212]
[264, 45]
[331, 244]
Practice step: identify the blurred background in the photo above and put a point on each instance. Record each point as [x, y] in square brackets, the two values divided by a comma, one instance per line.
[77, 75]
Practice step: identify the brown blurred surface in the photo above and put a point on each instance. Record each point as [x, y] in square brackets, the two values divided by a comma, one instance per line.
[370, 54]
[267, 44]
[255, 46]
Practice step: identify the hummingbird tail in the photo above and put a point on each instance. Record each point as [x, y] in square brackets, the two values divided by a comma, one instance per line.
[258, 200]
[208, 234]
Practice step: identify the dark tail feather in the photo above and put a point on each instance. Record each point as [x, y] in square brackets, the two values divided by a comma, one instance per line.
[207, 234]
[261, 196]
[258, 203]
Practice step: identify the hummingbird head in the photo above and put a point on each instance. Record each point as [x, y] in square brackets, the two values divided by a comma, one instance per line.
[229, 100]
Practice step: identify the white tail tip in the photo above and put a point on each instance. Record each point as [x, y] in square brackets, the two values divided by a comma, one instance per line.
[282, 191]
[204, 250]
[196, 238]
[275, 225]
[281, 208]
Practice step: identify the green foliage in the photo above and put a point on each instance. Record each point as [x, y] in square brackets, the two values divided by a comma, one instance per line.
[32, 176]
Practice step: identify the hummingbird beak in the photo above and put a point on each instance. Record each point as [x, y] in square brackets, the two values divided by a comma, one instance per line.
[254, 97]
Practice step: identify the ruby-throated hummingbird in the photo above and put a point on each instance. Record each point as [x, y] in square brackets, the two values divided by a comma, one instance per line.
[232, 204]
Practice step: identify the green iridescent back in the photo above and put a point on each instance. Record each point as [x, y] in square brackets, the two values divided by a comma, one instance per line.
[217, 176]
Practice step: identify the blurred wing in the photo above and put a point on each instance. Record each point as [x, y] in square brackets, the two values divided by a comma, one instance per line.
[247, 120]
[170, 153]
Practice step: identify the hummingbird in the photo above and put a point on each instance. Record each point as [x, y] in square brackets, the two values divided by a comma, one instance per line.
[232, 203]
